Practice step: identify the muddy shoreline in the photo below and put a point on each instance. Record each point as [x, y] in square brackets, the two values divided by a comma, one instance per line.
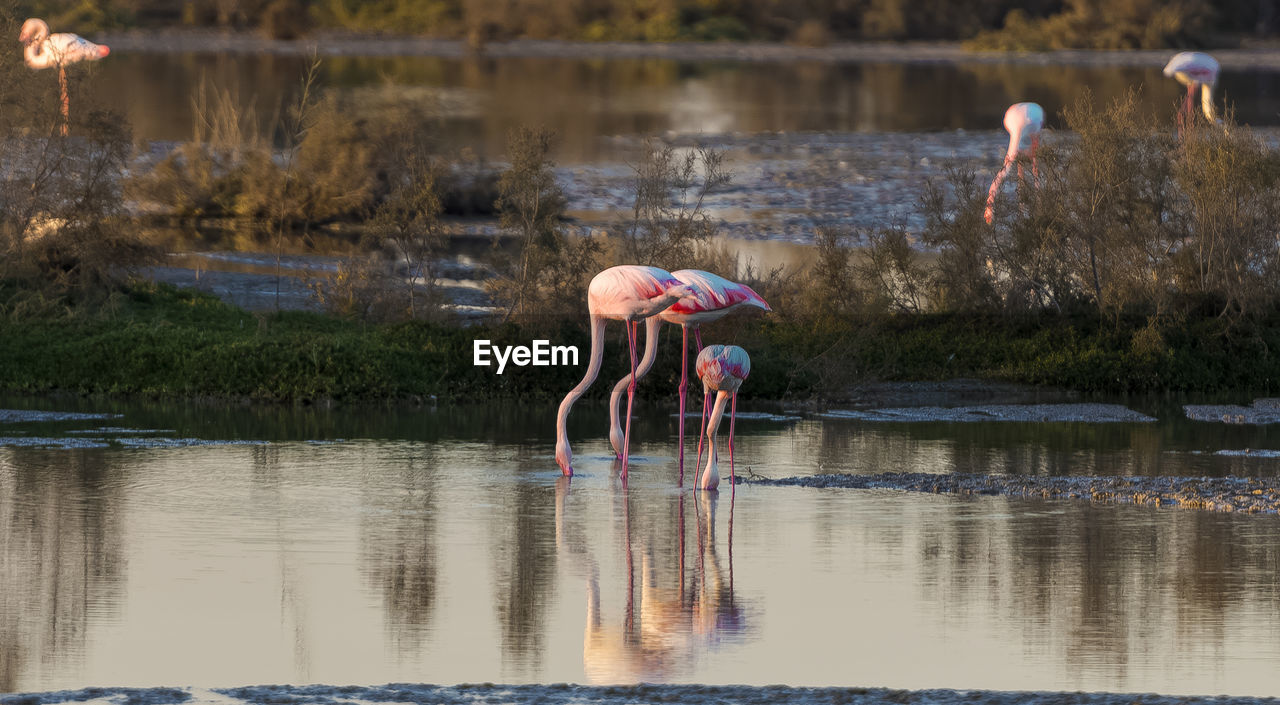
[331, 43]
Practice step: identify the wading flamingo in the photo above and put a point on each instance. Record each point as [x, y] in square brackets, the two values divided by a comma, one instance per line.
[1022, 120]
[1195, 69]
[714, 297]
[45, 51]
[722, 368]
[627, 293]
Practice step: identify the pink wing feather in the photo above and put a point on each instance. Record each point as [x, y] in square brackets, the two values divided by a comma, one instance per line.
[714, 293]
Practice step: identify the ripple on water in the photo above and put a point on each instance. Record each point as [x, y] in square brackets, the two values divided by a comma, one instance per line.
[53, 443]
[1083, 413]
[83, 442]
[34, 416]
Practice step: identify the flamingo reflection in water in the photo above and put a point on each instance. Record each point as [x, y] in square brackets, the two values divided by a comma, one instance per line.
[669, 613]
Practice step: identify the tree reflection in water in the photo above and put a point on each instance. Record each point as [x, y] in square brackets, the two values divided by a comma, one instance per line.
[61, 556]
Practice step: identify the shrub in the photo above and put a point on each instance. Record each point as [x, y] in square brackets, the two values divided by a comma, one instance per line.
[669, 224]
[547, 277]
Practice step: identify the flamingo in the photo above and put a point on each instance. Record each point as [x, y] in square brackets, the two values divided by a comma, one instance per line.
[44, 51]
[627, 293]
[1022, 120]
[722, 368]
[1195, 69]
[714, 298]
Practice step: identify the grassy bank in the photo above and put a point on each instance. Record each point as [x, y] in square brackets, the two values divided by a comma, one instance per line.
[162, 342]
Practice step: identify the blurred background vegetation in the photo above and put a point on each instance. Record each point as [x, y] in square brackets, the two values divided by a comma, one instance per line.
[986, 24]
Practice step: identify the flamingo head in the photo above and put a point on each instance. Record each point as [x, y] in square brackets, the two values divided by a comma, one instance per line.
[34, 31]
[754, 299]
[680, 291]
[710, 478]
[564, 458]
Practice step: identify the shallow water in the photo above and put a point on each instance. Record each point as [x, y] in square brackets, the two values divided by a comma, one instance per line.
[216, 547]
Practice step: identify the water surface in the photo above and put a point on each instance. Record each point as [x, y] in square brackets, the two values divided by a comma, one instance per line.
[419, 545]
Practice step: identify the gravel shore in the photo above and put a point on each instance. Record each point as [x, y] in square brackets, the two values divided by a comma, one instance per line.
[1219, 494]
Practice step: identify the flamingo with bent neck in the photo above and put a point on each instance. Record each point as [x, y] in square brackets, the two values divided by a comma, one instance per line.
[1022, 120]
[714, 298]
[45, 51]
[722, 368]
[627, 293]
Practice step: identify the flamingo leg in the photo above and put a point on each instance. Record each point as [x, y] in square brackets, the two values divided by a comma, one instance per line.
[1035, 169]
[733, 413]
[1186, 115]
[66, 102]
[631, 395]
[684, 389]
[702, 427]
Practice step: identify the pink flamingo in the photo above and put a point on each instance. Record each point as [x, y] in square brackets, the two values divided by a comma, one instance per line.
[714, 298]
[44, 51]
[627, 293]
[1022, 120]
[1195, 69]
[722, 368]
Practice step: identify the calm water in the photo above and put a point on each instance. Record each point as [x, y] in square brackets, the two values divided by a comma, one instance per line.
[442, 546]
[587, 101]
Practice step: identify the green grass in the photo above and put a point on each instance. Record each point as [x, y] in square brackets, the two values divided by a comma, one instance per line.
[161, 342]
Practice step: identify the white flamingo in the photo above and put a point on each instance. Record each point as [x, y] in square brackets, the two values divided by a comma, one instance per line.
[42, 50]
[1195, 70]
[1022, 121]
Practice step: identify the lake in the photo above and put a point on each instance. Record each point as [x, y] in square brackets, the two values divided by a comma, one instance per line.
[213, 546]
[598, 106]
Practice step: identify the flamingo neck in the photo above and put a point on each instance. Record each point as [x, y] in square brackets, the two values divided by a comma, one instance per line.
[38, 56]
[616, 435]
[1206, 102]
[989, 213]
[1015, 143]
[710, 479]
[564, 455]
